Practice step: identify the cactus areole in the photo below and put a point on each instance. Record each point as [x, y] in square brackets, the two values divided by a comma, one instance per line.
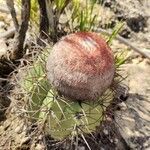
[81, 66]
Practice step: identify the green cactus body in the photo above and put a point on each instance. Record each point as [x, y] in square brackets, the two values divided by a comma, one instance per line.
[37, 88]
[66, 118]
[63, 117]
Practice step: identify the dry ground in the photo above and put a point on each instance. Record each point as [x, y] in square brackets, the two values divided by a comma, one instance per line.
[130, 127]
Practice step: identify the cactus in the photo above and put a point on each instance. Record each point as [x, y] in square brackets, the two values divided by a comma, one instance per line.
[68, 118]
[36, 88]
[62, 116]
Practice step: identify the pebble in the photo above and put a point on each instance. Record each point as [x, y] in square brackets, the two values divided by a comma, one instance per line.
[122, 106]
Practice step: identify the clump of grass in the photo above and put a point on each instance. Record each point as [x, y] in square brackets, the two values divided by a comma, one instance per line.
[80, 15]
[83, 16]
[34, 15]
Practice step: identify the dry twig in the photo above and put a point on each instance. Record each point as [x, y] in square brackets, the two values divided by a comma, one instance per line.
[21, 33]
[10, 4]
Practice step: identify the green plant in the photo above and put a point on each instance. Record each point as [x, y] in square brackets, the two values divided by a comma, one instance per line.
[82, 17]
[34, 14]
[61, 117]
[115, 32]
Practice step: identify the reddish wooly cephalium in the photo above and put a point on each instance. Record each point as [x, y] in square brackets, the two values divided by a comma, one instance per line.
[81, 66]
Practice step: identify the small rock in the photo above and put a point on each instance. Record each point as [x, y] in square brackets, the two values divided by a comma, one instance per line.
[81, 148]
[105, 132]
[39, 147]
[19, 129]
[3, 48]
[2, 24]
[115, 140]
[122, 106]
[25, 140]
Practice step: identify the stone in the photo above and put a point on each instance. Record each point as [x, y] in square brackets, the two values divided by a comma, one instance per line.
[134, 122]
